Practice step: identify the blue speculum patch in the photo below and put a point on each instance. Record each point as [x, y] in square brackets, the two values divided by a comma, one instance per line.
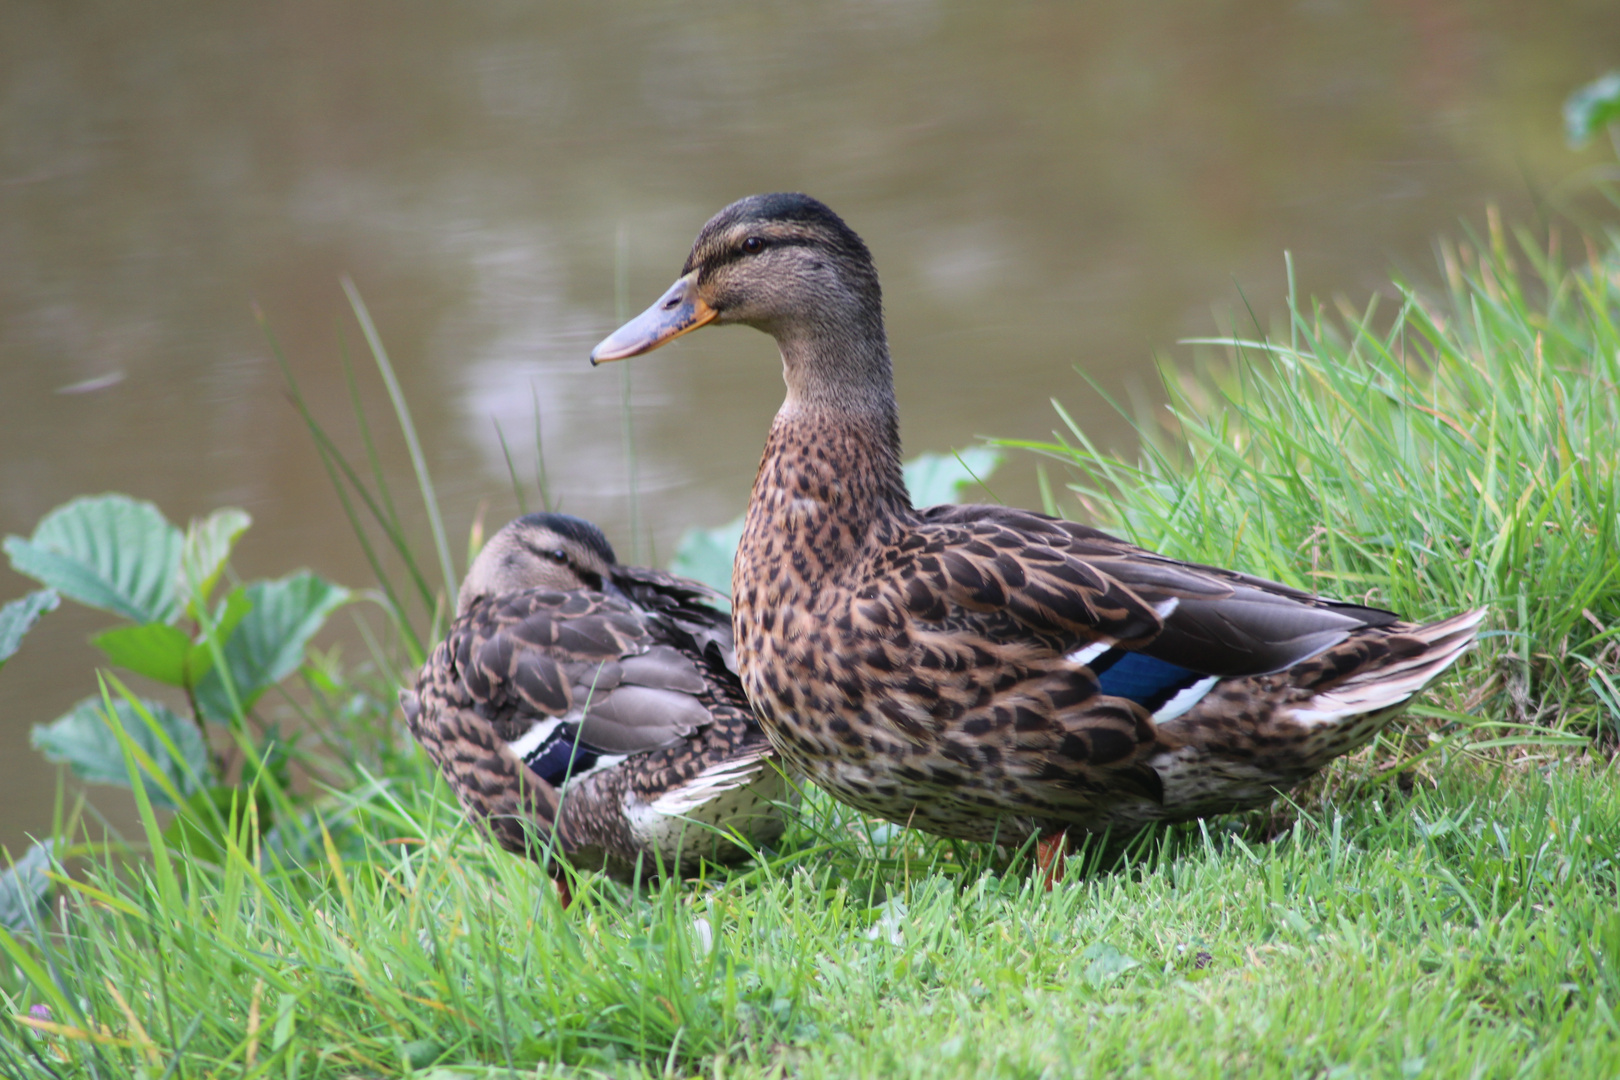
[1148, 682]
[561, 755]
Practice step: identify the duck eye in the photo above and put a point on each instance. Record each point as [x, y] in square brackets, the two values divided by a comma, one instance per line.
[558, 555]
[753, 245]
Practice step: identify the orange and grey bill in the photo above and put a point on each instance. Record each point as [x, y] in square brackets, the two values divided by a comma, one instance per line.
[679, 311]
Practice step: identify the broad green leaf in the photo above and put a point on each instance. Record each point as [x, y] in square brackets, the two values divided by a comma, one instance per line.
[81, 739]
[227, 616]
[108, 551]
[941, 478]
[707, 554]
[25, 891]
[269, 642]
[1592, 108]
[164, 652]
[207, 545]
[19, 616]
[156, 650]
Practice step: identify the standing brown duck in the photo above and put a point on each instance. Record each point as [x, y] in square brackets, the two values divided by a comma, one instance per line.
[982, 672]
[595, 706]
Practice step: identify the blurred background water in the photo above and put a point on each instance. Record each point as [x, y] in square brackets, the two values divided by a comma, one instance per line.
[1046, 187]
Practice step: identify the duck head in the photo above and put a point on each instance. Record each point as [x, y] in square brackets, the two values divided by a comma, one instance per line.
[539, 551]
[787, 265]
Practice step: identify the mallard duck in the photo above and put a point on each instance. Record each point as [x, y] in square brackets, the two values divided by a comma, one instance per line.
[596, 707]
[982, 672]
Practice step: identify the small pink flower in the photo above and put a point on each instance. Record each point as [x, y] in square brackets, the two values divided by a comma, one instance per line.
[40, 1012]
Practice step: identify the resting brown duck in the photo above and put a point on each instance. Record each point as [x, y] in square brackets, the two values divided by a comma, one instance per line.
[982, 672]
[596, 706]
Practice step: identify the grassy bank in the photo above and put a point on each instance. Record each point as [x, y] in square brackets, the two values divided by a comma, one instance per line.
[1470, 930]
[1444, 904]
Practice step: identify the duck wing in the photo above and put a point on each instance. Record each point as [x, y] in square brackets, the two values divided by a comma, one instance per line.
[695, 617]
[561, 675]
[1077, 587]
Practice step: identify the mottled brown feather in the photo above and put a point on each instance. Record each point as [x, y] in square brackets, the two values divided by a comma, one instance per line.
[644, 665]
[931, 666]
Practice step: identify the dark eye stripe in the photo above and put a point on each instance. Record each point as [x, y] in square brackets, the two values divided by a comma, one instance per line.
[556, 555]
[734, 253]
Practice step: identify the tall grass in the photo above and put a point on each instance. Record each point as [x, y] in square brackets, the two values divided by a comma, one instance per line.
[1448, 453]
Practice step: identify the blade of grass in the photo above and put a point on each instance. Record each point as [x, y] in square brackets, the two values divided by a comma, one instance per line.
[338, 470]
[407, 428]
[511, 470]
[546, 503]
[384, 492]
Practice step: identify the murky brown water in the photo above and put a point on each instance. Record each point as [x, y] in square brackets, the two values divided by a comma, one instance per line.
[1044, 186]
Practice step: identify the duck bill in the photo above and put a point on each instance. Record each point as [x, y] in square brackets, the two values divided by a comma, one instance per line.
[679, 311]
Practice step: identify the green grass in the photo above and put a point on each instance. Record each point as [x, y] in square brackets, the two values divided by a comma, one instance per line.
[1449, 934]
[1448, 454]
[1445, 904]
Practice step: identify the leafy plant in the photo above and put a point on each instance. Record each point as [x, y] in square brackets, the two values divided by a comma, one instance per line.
[122, 556]
[19, 616]
[947, 478]
[1592, 108]
[707, 554]
[81, 738]
[24, 889]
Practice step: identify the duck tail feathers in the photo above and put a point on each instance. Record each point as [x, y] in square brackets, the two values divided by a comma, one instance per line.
[1389, 685]
[732, 774]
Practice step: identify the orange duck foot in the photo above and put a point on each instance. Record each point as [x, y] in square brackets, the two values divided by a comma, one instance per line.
[1051, 851]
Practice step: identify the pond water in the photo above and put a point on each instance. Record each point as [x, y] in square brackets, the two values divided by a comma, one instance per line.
[1046, 187]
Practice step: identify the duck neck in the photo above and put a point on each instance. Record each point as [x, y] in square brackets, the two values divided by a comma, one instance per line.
[831, 468]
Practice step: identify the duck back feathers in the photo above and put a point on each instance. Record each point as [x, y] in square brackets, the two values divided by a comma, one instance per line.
[599, 722]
